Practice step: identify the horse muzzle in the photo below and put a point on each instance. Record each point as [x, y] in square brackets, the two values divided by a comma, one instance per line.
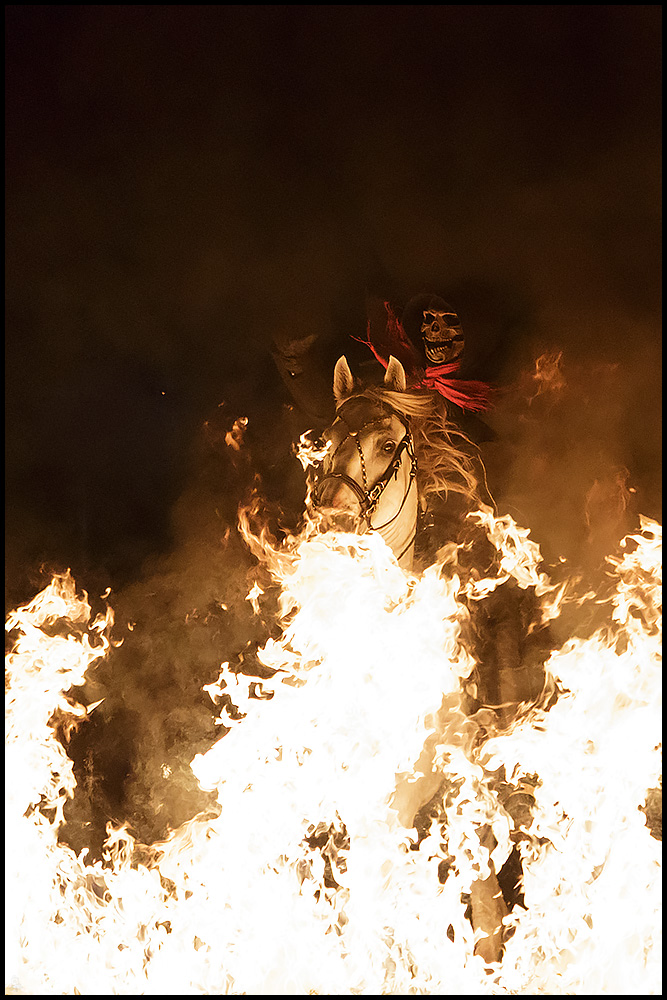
[341, 502]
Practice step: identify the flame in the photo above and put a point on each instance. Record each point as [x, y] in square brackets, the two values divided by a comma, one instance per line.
[357, 805]
[234, 437]
[311, 450]
[548, 376]
[597, 860]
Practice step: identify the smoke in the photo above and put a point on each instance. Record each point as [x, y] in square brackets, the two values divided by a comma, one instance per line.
[186, 184]
[186, 615]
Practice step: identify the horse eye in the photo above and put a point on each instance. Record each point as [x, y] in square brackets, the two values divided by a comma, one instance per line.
[388, 447]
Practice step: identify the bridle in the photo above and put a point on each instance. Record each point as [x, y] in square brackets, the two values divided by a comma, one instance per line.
[369, 496]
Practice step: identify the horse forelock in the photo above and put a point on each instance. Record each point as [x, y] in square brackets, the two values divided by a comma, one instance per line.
[362, 410]
[405, 404]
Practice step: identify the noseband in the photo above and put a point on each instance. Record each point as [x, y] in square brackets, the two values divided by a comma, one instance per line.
[369, 497]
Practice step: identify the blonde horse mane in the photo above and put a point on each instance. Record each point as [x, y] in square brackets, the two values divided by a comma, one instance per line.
[447, 461]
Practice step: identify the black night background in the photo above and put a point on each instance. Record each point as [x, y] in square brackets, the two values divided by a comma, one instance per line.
[188, 184]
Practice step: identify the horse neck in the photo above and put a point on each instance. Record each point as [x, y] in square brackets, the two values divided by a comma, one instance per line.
[398, 532]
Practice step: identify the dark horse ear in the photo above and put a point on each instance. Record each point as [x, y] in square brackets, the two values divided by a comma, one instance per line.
[343, 381]
[395, 377]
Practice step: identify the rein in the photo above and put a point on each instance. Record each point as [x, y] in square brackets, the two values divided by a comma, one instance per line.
[369, 497]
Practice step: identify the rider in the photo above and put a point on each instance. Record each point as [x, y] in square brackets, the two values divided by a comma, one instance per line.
[429, 341]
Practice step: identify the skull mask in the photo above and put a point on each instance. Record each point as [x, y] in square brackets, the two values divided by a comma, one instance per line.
[442, 336]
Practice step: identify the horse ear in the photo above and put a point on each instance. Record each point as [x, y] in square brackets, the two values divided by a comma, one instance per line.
[343, 381]
[395, 377]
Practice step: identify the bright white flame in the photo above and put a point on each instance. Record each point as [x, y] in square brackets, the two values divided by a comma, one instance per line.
[592, 872]
[311, 879]
[310, 451]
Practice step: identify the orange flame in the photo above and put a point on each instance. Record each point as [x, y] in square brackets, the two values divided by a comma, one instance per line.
[317, 875]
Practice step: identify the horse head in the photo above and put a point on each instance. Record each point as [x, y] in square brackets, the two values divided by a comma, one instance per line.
[367, 481]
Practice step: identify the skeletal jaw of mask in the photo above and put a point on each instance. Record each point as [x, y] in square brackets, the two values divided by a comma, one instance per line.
[442, 337]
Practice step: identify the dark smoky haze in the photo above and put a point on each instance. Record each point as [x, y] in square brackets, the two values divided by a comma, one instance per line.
[186, 186]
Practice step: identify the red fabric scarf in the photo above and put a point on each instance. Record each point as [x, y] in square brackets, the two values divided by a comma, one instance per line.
[469, 394]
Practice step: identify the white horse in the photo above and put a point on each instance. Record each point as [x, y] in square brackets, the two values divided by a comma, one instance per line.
[390, 450]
